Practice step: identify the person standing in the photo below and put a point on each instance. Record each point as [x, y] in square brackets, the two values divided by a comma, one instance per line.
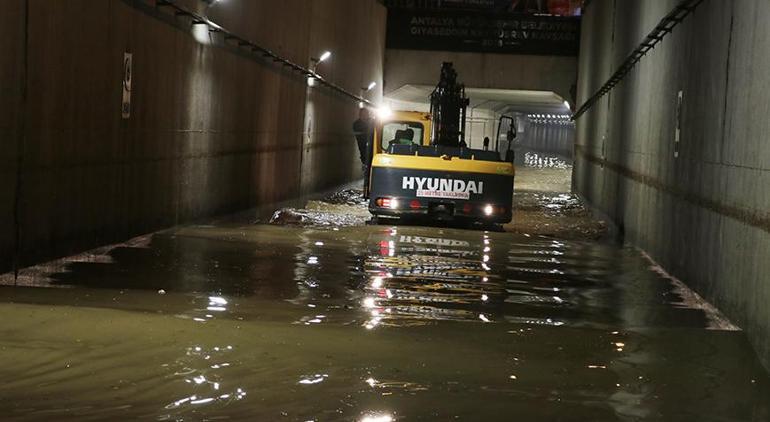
[363, 129]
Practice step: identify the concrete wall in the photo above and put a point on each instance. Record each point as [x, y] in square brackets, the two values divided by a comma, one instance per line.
[211, 131]
[504, 71]
[357, 41]
[703, 215]
[12, 59]
[549, 137]
[481, 123]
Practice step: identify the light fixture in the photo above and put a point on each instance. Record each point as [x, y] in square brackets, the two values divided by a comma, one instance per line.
[384, 112]
[371, 86]
[316, 61]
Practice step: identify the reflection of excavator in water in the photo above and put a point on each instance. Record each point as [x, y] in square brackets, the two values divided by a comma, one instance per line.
[422, 165]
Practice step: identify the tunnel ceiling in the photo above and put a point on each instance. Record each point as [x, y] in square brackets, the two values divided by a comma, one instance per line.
[415, 97]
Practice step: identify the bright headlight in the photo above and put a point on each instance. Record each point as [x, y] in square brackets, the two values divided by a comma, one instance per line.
[384, 112]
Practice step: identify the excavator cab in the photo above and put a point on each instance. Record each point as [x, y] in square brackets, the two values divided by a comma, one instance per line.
[421, 164]
[506, 137]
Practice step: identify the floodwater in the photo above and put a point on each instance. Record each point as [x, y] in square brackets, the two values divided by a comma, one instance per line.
[325, 318]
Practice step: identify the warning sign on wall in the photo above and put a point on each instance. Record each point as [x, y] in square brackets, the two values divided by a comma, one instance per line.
[126, 108]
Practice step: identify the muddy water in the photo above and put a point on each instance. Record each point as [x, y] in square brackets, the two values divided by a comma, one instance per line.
[366, 323]
[321, 317]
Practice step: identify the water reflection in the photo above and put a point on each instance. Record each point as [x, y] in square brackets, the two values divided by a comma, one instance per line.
[190, 259]
[202, 369]
[313, 379]
[217, 304]
[377, 418]
[536, 160]
[412, 279]
[368, 323]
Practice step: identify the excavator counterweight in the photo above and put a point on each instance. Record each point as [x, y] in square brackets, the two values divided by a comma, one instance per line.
[422, 165]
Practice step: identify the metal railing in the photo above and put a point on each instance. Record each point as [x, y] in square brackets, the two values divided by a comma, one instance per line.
[663, 28]
[242, 44]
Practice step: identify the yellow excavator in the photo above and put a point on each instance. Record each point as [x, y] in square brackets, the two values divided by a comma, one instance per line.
[422, 167]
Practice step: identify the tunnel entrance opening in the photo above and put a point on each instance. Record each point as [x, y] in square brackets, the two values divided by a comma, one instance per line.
[543, 200]
[542, 117]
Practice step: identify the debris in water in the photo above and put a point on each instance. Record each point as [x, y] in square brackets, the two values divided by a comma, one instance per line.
[303, 217]
[346, 197]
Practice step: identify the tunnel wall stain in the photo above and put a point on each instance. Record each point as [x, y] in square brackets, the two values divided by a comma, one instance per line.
[11, 72]
[704, 214]
[210, 131]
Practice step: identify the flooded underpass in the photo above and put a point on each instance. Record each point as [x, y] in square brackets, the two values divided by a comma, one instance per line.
[322, 317]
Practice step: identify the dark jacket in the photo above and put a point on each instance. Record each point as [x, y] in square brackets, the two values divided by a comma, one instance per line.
[363, 130]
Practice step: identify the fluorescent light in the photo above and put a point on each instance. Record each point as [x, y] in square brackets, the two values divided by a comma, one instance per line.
[325, 56]
[371, 86]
